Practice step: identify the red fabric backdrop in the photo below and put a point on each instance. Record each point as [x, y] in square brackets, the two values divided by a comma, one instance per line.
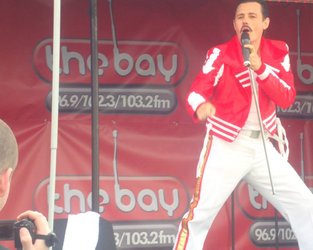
[162, 45]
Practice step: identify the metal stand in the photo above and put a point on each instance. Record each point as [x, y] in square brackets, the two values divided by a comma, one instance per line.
[233, 220]
[95, 105]
[256, 100]
[55, 107]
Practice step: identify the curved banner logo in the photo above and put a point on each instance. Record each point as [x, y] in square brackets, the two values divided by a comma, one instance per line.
[134, 62]
[268, 228]
[252, 203]
[125, 199]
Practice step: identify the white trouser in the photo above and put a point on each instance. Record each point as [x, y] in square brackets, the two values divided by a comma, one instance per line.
[222, 165]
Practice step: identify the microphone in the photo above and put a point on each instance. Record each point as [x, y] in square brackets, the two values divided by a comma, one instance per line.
[245, 39]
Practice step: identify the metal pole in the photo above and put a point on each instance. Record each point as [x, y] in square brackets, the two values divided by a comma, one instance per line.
[233, 220]
[302, 156]
[256, 100]
[95, 105]
[54, 106]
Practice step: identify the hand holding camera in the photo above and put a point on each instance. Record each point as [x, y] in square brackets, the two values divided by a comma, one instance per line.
[34, 232]
[24, 223]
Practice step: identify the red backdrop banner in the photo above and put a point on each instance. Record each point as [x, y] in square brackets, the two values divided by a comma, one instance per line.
[145, 188]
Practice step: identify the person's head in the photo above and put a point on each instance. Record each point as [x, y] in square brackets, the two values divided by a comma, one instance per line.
[8, 160]
[251, 16]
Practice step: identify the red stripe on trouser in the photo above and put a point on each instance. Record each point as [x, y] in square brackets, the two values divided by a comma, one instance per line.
[182, 237]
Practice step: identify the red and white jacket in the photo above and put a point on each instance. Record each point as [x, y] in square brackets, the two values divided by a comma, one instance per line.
[225, 82]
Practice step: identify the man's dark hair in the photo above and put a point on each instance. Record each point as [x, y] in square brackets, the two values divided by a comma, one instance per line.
[263, 4]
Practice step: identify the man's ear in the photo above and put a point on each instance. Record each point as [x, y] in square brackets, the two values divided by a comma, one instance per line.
[5, 181]
[266, 23]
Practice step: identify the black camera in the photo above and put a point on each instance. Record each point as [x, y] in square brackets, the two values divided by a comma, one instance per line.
[27, 224]
[10, 230]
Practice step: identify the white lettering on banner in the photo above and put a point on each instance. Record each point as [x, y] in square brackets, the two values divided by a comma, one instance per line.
[253, 195]
[271, 233]
[302, 107]
[170, 208]
[157, 200]
[304, 70]
[70, 194]
[116, 100]
[144, 236]
[153, 206]
[152, 65]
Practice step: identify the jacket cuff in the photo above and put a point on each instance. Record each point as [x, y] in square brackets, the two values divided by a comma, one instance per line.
[262, 72]
[195, 100]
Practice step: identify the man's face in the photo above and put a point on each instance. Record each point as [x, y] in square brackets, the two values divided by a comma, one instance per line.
[249, 17]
